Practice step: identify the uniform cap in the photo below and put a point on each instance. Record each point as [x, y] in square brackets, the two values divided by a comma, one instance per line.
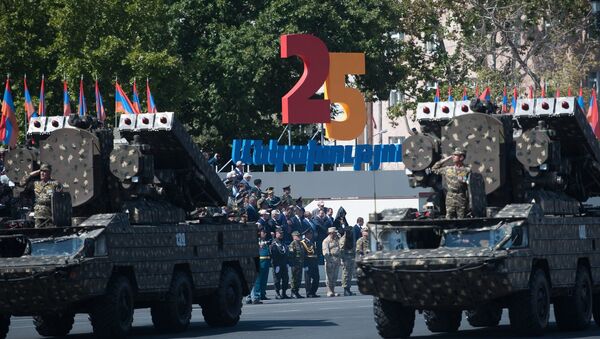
[331, 230]
[296, 233]
[269, 190]
[288, 187]
[458, 151]
[247, 175]
[278, 229]
[263, 211]
[45, 167]
[364, 229]
[239, 162]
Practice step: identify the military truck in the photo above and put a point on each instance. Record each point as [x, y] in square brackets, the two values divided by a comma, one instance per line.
[529, 241]
[125, 232]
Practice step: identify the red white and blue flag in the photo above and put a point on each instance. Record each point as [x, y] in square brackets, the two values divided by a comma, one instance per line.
[150, 99]
[580, 101]
[66, 100]
[82, 109]
[592, 115]
[29, 110]
[42, 103]
[122, 102]
[486, 95]
[136, 99]
[513, 103]
[504, 101]
[100, 112]
[9, 128]
[437, 93]
[450, 97]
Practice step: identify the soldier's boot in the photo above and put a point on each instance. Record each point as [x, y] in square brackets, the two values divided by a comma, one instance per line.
[284, 295]
[297, 295]
[347, 292]
[277, 295]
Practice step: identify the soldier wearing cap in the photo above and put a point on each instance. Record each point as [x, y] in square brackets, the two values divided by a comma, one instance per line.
[260, 285]
[457, 178]
[297, 262]
[311, 265]
[331, 252]
[43, 190]
[279, 258]
[286, 198]
[362, 244]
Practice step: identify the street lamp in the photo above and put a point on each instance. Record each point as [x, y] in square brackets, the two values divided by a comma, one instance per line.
[380, 133]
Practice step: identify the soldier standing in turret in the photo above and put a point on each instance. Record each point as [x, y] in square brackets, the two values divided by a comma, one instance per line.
[297, 261]
[43, 189]
[279, 259]
[457, 178]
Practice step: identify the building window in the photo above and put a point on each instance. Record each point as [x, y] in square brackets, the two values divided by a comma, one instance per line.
[396, 140]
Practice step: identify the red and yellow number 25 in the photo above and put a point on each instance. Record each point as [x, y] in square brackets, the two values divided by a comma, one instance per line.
[320, 67]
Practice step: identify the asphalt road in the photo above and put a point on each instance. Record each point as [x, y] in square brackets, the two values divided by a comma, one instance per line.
[340, 317]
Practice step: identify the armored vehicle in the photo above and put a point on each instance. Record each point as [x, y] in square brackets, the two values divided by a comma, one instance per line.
[124, 232]
[528, 242]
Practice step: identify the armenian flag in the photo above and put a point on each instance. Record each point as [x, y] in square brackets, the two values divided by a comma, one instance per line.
[66, 100]
[504, 101]
[592, 115]
[100, 112]
[450, 98]
[82, 109]
[465, 96]
[437, 93]
[29, 110]
[9, 128]
[513, 103]
[42, 104]
[136, 99]
[580, 101]
[122, 102]
[486, 94]
[150, 99]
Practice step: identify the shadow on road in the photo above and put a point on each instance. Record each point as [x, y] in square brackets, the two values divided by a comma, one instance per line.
[505, 331]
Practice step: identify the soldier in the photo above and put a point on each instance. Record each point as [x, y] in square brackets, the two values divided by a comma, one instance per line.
[43, 189]
[297, 261]
[311, 265]
[348, 247]
[286, 198]
[363, 247]
[331, 252]
[457, 178]
[260, 285]
[279, 258]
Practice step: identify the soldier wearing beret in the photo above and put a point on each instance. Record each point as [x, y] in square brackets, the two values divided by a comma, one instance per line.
[297, 262]
[43, 190]
[279, 259]
[457, 178]
[311, 265]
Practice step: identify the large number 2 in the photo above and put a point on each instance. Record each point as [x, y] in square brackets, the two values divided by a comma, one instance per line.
[351, 100]
[296, 105]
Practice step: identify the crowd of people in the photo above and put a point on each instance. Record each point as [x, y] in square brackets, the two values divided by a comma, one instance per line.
[293, 241]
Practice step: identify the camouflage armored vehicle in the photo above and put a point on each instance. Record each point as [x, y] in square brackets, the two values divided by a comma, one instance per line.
[123, 235]
[528, 242]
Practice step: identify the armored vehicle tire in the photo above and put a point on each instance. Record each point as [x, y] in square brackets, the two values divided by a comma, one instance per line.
[54, 325]
[529, 311]
[175, 312]
[112, 314]
[484, 316]
[4, 325]
[224, 307]
[392, 319]
[596, 308]
[442, 321]
[575, 312]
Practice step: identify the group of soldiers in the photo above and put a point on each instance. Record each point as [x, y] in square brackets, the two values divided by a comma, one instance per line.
[301, 257]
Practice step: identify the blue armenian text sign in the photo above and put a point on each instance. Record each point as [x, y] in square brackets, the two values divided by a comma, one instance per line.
[254, 152]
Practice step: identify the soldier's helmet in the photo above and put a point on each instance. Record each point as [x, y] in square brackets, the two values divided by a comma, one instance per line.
[459, 151]
[45, 167]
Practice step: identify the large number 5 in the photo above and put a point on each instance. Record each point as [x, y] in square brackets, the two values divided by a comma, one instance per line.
[351, 99]
[296, 105]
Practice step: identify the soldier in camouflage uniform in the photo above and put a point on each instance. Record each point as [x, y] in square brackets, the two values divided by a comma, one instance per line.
[297, 261]
[331, 252]
[362, 244]
[348, 255]
[457, 178]
[43, 189]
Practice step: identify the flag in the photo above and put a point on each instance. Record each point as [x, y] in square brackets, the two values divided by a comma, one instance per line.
[66, 100]
[29, 110]
[580, 101]
[9, 128]
[544, 90]
[592, 115]
[465, 96]
[42, 104]
[513, 104]
[530, 92]
[569, 92]
[152, 106]
[557, 95]
[437, 93]
[476, 90]
[122, 102]
[100, 112]
[504, 101]
[136, 99]
[82, 108]
[450, 98]
[486, 95]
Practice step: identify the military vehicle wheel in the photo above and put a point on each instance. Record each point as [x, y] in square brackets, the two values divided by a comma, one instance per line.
[112, 314]
[4, 325]
[575, 312]
[485, 316]
[175, 312]
[392, 319]
[54, 325]
[529, 311]
[224, 307]
[596, 308]
[442, 321]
